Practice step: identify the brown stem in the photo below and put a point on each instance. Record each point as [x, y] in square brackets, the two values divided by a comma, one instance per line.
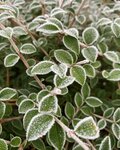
[10, 119]
[23, 58]
[7, 77]
[78, 12]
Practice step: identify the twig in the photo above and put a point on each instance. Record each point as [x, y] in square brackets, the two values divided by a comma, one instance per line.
[23, 58]
[10, 119]
[93, 148]
[78, 12]
[72, 134]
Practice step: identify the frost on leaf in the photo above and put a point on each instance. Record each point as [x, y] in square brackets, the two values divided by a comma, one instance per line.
[63, 82]
[39, 126]
[49, 104]
[10, 60]
[43, 67]
[87, 128]
[60, 70]
[105, 144]
[7, 93]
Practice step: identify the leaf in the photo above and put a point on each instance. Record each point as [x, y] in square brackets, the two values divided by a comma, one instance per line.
[116, 130]
[2, 109]
[116, 115]
[25, 105]
[69, 110]
[63, 56]
[10, 60]
[27, 48]
[7, 93]
[112, 56]
[3, 145]
[108, 112]
[72, 32]
[41, 94]
[6, 15]
[60, 70]
[90, 71]
[63, 82]
[19, 31]
[102, 124]
[105, 144]
[49, 28]
[72, 44]
[114, 75]
[93, 101]
[43, 67]
[90, 53]
[57, 137]
[7, 32]
[78, 99]
[15, 142]
[48, 104]
[78, 73]
[85, 90]
[28, 116]
[57, 22]
[87, 128]
[39, 126]
[90, 35]
[104, 21]
[115, 27]
[39, 144]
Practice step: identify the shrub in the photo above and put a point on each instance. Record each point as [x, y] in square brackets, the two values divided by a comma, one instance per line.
[60, 74]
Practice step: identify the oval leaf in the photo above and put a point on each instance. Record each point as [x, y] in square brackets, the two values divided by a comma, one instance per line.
[7, 93]
[90, 53]
[93, 101]
[57, 137]
[27, 48]
[43, 67]
[106, 144]
[90, 35]
[48, 104]
[39, 126]
[79, 74]
[72, 44]
[10, 60]
[87, 128]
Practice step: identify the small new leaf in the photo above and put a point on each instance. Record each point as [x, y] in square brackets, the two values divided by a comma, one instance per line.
[87, 128]
[112, 56]
[2, 109]
[39, 126]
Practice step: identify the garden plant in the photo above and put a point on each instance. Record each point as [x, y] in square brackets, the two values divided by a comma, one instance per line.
[59, 75]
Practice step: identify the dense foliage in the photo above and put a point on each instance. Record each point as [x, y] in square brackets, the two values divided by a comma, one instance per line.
[59, 74]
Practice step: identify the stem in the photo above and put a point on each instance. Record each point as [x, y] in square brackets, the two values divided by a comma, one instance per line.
[7, 77]
[10, 119]
[111, 121]
[93, 148]
[82, 62]
[23, 58]
[72, 134]
[79, 9]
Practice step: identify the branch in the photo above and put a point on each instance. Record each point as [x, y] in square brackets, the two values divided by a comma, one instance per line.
[78, 12]
[72, 135]
[10, 119]
[23, 58]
